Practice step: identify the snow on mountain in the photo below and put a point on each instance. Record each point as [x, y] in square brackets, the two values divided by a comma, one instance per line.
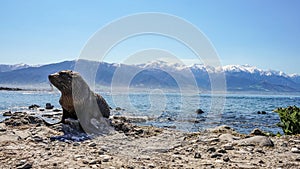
[7, 68]
[162, 65]
[162, 74]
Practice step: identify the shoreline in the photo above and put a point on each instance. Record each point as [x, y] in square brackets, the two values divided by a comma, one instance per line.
[26, 143]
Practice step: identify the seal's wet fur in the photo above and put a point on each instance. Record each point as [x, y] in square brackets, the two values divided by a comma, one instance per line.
[74, 90]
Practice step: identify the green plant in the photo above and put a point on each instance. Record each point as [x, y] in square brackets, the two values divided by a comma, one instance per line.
[290, 119]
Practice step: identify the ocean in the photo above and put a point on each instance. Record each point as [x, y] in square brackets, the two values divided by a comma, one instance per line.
[174, 110]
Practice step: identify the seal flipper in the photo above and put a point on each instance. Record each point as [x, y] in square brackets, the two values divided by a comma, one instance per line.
[68, 115]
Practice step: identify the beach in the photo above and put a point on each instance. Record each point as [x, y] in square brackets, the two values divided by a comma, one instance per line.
[27, 142]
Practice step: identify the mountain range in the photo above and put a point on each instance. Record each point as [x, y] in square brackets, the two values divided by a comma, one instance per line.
[159, 74]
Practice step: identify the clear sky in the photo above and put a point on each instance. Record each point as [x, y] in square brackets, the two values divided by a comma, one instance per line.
[262, 33]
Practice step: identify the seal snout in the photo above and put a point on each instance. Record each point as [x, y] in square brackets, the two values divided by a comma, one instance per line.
[51, 76]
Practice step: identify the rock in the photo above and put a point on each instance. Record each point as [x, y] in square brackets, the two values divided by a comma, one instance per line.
[105, 158]
[228, 147]
[47, 115]
[211, 150]
[255, 140]
[257, 132]
[76, 144]
[41, 109]
[263, 112]
[2, 127]
[7, 113]
[92, 145]
[33, 106]
[222, 151]
[22, 134]
[25, 166]
[260, 151]
[216, 155]
[246, 166]
[37, 138]
[49, 106]
[227, 138]
[151, 166]
[226, 159]
[56, 110]
[295, 150]
[258, 112]
[199, 111]
[94, 162]
[212, 140]
[197, 155]
[222, 129]
[118, 108]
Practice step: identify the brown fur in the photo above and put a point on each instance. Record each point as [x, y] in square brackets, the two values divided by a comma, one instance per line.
[74, 90]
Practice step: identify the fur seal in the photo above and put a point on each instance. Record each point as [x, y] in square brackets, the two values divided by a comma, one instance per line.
[75, 91]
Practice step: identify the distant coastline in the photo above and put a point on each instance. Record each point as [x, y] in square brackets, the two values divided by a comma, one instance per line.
[10, 89]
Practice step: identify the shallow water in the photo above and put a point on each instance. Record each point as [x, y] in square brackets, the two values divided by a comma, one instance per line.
[174, 110]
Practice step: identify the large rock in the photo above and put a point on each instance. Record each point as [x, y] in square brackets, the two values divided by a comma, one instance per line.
[227, 138]
[256, 140]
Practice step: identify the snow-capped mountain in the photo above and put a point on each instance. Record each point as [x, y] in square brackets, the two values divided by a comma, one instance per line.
[161, 74]
[6, 68]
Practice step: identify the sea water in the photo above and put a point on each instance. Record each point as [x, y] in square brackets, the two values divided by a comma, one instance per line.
[175, 110]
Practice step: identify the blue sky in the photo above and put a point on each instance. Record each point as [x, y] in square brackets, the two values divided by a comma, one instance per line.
[264, 33]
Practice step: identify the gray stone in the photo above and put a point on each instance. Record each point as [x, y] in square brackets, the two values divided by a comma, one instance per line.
[227, 138]
[221, 129]
[216, 155]
[7, 113]
[212, 140]
[22, 134]
[255, 140]
[295, 150]
[226, 159]
[257, 132]
[25, 166]
[228, 147]
[197, 155]
[92, 145]
[105, 158]
[76, 144]
[222, 151]
[211, 150]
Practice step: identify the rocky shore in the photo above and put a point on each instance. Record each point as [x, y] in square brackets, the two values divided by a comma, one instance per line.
[27, 142]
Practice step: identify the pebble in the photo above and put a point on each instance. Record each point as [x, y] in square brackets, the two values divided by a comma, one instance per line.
[228, 147]
[151, 165]
[92, 145]
[216, 155]
[226, 159]
[211, 150]
[7, 113]
[37, 138]
[94, 162]
[222, 151]
[257, 132]
[295, 150]
[2, 129]
[227, 138]
[105, 158]
[76, 144]
[197, 155]
[25, 166]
